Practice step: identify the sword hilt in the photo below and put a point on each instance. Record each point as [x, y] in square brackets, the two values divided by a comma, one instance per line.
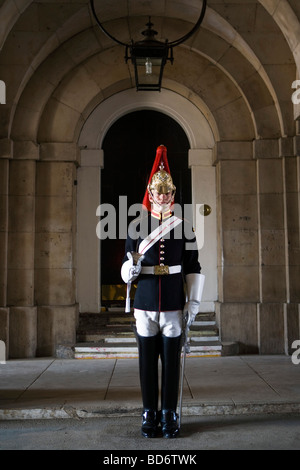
[136, 257]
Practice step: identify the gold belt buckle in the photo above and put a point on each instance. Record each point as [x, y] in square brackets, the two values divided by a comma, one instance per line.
[161, 270]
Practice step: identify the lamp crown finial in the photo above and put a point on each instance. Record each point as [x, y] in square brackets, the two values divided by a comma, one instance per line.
[149, 33]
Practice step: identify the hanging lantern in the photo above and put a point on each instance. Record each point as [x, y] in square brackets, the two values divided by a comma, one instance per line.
[149, 56]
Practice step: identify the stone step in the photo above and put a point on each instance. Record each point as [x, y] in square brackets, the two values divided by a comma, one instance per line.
[117, 323]
[115, 337]
[131, 338]
[110, 335]
[121, 318]
[82, 351]
[104, 350]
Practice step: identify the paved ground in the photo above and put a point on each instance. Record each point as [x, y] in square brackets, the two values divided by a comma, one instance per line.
[263, 432]
[58, 388]
[240, 402]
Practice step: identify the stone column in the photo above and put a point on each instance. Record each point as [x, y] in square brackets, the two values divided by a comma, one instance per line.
[238, 255]
[4, 310]
[273, 260]
[20, 253]
[259, 228]
[292, 182]
[204, 192]
[55, 247]
[4, 172]
[239, 229]
[88, 244]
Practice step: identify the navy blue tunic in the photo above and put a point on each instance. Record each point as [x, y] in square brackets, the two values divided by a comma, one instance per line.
[163, 292]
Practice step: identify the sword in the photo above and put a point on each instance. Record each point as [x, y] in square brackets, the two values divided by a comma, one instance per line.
[185, 350]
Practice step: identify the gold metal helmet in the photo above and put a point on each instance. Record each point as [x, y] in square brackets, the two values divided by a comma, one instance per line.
[161, 182]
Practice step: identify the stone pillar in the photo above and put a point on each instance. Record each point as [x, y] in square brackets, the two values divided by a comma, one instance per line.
[292, 179]
[273, 259]
[37, 247]
[20, 289]
[88, 244]
[259, 256]
[292, 182]
[55, 247]
[204, 192]
[20, 252]
[238, 258]
[238, 254]
[272, 229]
[5, 147]
[4, 172]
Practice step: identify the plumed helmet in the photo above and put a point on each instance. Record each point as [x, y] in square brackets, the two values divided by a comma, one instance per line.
[161, 182]
[160, 178]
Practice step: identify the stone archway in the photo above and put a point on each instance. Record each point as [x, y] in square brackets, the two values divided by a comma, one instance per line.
[201, 140]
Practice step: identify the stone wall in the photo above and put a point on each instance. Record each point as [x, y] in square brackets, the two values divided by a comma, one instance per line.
[38, 258]
[258, 246]
[259, 257]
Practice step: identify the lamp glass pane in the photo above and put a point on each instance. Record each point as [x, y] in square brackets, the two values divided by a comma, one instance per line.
[148, 79]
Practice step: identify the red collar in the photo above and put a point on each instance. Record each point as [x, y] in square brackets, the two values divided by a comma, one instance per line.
[160, 216]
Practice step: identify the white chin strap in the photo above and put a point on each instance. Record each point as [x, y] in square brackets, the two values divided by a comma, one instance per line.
[162, 205]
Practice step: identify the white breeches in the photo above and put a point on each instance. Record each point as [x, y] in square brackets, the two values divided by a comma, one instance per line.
[151, 323]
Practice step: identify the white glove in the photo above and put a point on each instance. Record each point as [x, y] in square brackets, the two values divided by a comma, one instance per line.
[191, 308]
[194, 288]
[129, 270]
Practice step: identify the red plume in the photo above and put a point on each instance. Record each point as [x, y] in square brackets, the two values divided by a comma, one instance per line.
[160, 163]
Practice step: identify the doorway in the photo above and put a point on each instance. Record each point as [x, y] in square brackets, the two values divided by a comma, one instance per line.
[198, 128]
[129, 149]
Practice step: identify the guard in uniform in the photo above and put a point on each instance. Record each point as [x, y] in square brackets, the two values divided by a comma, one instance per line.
[162, 260]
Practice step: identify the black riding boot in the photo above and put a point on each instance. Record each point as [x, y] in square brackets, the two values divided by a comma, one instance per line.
[148, 363]
[170, 358]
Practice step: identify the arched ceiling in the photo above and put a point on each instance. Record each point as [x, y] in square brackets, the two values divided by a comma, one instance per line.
[58, 66]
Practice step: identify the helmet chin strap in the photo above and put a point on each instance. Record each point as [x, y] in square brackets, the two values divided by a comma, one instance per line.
[164, 206]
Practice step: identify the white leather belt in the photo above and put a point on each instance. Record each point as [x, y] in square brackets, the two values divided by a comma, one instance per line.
[161, 270]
